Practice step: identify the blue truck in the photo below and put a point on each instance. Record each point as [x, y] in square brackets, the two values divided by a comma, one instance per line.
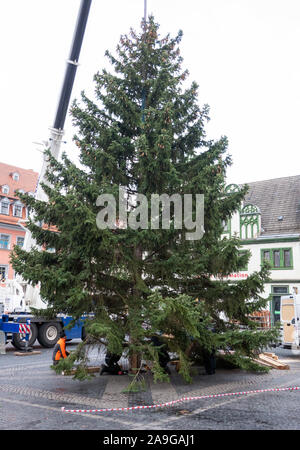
[45, 331]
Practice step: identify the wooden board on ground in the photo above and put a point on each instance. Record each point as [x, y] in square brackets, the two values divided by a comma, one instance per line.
[27, 353]
[267, 359]
[90, 369]
[271, 355]
[262, 363]
[272, 362]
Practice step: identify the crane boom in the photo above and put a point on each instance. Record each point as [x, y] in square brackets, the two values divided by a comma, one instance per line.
[32, 296]
[57, 131]
[72, 64]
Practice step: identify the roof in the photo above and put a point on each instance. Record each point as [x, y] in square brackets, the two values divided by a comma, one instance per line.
[277, 197]
[27, 181]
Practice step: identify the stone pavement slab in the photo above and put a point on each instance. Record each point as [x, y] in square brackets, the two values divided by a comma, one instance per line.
[32, 395]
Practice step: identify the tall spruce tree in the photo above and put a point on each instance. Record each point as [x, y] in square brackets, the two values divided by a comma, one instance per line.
[146, 132]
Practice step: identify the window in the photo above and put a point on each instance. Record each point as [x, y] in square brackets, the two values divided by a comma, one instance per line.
[266, 255]
[4, 205]
[287, 258]
[276, 258]
[4, 241]
[279, 258]
[245, 267]
[15, 176]
[280, 289]
[231, 189]
[3, 273]
[226, 224]
[17, 209]
[249, 222]
[5, 189]
[20, 241]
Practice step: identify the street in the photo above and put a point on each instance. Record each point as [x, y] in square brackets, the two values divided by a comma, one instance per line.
[32, 397]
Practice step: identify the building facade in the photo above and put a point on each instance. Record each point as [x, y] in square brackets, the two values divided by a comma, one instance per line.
[12, 179]
[268, 224]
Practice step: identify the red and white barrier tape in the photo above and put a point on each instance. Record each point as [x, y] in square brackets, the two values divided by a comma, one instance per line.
[183, 399]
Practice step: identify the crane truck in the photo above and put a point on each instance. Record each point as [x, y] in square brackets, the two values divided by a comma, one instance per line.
[17, 296]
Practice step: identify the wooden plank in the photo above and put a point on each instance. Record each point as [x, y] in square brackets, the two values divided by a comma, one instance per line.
[273, 363]
[269, 364]
[268, 359]
[261, 362]
[27, 353]
[271, 355]
[91, 369]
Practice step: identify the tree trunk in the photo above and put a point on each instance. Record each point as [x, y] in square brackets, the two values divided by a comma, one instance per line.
[134, 363]
[135, 358]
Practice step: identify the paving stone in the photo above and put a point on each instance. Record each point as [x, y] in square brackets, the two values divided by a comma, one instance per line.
[31, 397]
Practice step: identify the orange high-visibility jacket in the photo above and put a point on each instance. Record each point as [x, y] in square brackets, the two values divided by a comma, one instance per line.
[59, 350]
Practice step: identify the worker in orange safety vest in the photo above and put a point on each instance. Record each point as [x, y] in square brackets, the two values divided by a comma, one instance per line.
[59, 350]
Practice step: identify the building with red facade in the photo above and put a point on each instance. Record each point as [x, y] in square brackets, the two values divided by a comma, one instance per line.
[12, 178]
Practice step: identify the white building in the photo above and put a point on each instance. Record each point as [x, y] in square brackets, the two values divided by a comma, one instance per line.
[269, 225]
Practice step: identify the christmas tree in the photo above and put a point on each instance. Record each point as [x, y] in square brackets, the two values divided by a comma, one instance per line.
[143, 136]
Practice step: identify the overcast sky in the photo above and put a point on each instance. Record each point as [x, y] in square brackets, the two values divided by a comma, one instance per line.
[244, 54]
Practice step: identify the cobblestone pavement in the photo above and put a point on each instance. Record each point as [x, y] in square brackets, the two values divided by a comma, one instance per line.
[32, 395]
